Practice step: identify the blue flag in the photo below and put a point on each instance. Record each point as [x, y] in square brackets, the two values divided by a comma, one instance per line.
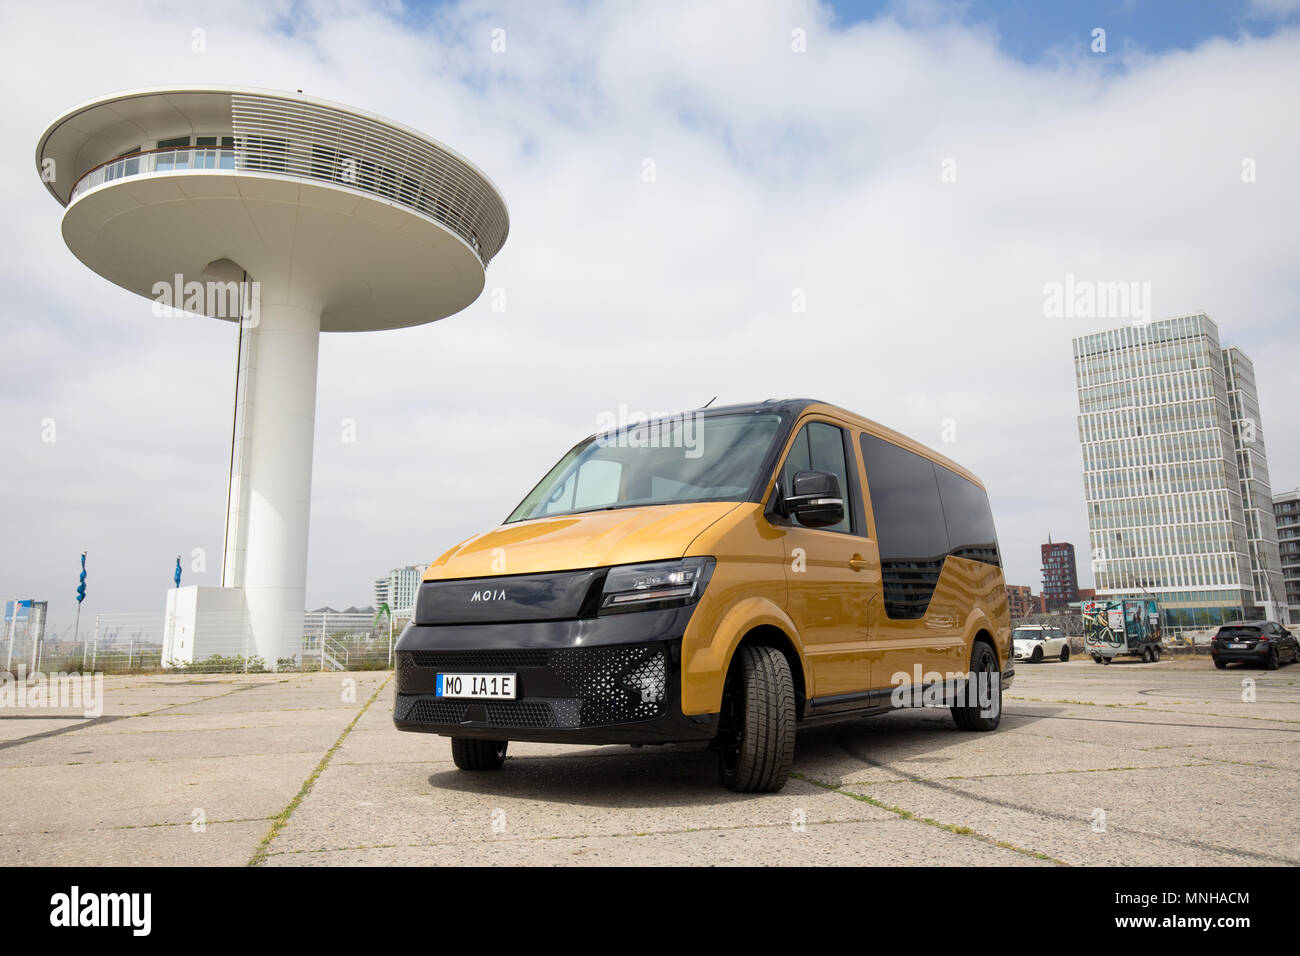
[81, 588]
[177, 576]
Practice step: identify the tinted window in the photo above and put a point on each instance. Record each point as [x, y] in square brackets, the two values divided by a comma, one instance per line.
[910, 530]
[968, 517]
[819, 447]
[924, 512]
[1236, 633]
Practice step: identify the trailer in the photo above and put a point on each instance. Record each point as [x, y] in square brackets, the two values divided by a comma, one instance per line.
[1127, 628]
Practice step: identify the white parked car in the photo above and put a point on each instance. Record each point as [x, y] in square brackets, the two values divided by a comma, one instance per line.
[1034, 642]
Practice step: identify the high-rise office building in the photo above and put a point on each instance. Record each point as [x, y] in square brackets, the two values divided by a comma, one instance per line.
[1286, 511]
[1060, 575]
[1170, 429]
[1256, 493]
[398, 588]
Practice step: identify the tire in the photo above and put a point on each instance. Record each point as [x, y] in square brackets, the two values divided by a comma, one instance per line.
[1037, 656]
[1272, 661]
[969, 717]
[1096, 658]
[472, 754]
[1155, 653]
[758, 722]
[1146, 654]
[1220, 664]
[1106, 661]
[1065, 653]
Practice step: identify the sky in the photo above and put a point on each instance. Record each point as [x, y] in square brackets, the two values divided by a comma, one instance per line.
[914, 175]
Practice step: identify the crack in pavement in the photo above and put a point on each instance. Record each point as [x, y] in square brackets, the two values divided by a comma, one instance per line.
[621, 835]
[1059, 817]
[1165, 723]
[279, 820]
[110, 718]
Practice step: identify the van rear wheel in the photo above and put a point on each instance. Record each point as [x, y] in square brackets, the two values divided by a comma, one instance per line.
[478, 754]
[984, 672]
[756, 737]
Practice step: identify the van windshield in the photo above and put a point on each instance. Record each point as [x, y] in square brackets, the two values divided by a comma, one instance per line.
[686, 458]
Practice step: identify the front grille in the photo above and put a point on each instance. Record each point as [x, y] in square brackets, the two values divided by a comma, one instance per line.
[532, 714]
[430, 710]
[520, 713]
[585, 687]
[486, 659]
[615, 684]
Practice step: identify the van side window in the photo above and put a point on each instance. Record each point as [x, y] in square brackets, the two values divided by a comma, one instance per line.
[924, 512]
[968, 517]
[820, 447]
[910, 529]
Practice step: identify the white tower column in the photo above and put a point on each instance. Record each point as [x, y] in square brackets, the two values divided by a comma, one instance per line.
[279, 425]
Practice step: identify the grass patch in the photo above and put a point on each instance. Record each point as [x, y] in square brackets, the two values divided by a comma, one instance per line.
[937, 824]
[280, 819]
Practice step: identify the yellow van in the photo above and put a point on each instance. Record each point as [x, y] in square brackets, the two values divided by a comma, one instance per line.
[720, 577]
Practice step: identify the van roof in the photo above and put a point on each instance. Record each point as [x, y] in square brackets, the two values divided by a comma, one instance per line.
[798, 406]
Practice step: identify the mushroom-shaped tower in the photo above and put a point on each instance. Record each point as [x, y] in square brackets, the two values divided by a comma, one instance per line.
[290, 216]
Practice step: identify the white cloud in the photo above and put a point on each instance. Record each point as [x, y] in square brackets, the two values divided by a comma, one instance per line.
[776, 170]
[1274, 9]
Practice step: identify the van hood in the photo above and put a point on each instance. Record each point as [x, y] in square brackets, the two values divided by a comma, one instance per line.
[588, 540]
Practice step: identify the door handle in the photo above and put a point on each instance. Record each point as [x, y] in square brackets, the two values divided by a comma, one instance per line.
[858, 563]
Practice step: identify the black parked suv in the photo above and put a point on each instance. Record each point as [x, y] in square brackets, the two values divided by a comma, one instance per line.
[1257, 642]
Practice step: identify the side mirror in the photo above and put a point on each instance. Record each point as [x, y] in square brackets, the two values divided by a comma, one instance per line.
[815, 499]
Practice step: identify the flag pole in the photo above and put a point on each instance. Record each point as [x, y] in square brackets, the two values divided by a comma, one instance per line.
[81, 596]
[176, 597]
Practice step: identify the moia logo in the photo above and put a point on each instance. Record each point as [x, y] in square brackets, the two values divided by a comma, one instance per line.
[102, 909]
[487, 596]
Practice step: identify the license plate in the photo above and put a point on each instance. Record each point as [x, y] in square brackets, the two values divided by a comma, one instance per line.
[482, 686]
[1237, 647]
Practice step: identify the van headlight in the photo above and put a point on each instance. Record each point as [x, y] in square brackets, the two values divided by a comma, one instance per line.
[644, 587]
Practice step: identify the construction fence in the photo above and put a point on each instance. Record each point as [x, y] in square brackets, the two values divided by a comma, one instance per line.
[120, 643]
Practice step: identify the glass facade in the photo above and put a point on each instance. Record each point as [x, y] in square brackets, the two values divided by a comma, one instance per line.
[1256, 494]
[1286, 511]
[1163, 479]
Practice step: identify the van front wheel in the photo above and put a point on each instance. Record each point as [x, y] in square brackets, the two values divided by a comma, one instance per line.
[478, 754]
[756, 737]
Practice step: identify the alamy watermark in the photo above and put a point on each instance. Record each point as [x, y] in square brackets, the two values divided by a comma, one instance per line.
[75, 908]
[982, 689]
[61, 690]
[1093, 299]
[233, 299]
[629, 429]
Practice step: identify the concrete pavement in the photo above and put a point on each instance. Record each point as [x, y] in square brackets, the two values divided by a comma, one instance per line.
[1128, 764]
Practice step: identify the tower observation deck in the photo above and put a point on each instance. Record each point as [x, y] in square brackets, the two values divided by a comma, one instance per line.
[287, 216]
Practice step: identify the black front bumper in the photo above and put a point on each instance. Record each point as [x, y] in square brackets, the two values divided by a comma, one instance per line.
[597, 680]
